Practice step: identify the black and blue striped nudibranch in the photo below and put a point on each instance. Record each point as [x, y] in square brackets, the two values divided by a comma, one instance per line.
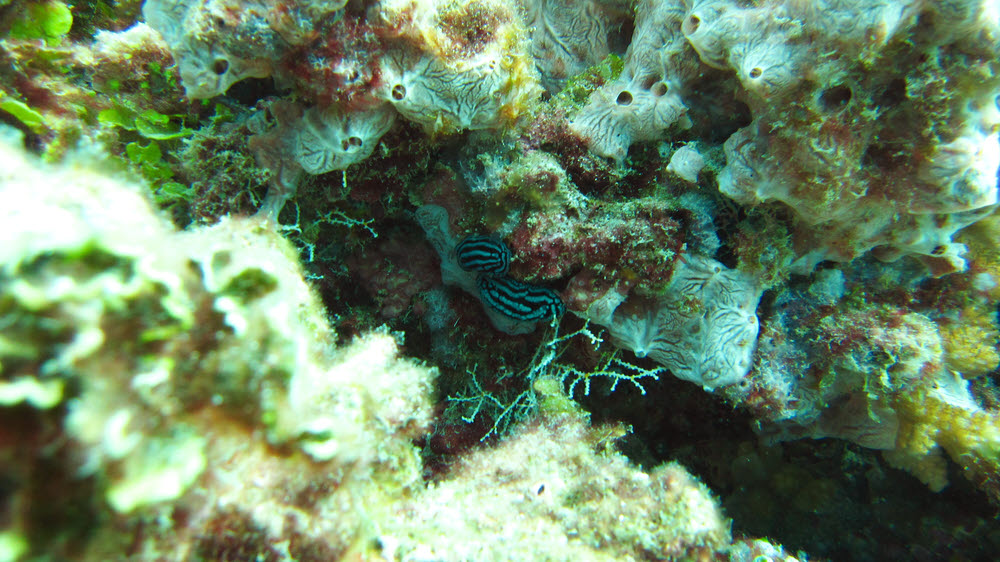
[519, 300]
[483, 254]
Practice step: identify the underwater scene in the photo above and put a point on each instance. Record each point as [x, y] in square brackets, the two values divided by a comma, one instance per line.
[499, 280]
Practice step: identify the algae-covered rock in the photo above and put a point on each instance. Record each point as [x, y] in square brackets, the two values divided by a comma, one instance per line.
[193, 379]
[144, 337]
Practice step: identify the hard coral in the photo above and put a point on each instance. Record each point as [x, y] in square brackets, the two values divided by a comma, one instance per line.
[568, 489]
[931, 420]
[153, 327]
[970, 343]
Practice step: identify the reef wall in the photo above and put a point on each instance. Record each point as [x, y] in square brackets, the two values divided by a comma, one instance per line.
[235, 294]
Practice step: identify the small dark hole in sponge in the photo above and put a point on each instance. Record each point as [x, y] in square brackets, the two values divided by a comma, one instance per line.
[835, 98]
[891, 94]
[624, 98]
[220, 66]
[691, 24]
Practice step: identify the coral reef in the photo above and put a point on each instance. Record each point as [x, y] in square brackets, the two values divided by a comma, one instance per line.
[878, 375]
[835, 91]
[289, 280]
[149, 327]
[704, 329]
[647, 97]
[192, 370]
[935, 419]
[970, 343]
[445, 66]
[893, 162]
[568, 37]
[570, 500]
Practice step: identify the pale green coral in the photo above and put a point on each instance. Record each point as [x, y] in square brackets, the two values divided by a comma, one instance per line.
[40, 394]
[149, 326]
[159, 471]
[556, 490]
[12, 546]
